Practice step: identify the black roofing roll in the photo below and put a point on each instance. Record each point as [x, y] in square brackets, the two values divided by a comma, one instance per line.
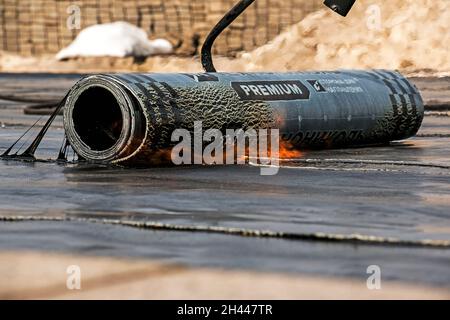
[128, 117]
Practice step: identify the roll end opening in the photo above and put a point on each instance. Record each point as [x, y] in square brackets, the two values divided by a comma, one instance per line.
[103, 121]
[98, 119]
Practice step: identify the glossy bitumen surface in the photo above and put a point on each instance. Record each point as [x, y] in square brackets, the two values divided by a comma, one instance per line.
[400, 191]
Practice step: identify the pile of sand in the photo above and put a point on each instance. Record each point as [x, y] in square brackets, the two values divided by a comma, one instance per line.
[402, 34]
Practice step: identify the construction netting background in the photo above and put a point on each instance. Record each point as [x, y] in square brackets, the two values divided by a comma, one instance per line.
[412, 36]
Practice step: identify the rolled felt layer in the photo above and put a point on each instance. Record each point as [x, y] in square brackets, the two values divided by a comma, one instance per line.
[127, 118]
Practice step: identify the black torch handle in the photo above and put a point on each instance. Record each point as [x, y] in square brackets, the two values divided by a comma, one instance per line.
[229, 17]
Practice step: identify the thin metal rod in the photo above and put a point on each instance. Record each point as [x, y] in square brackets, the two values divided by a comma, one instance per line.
[8, 151]
[231, 15]
[29, 153]
[62, 155]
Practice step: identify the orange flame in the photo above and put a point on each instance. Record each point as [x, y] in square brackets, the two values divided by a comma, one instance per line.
[288, 151]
